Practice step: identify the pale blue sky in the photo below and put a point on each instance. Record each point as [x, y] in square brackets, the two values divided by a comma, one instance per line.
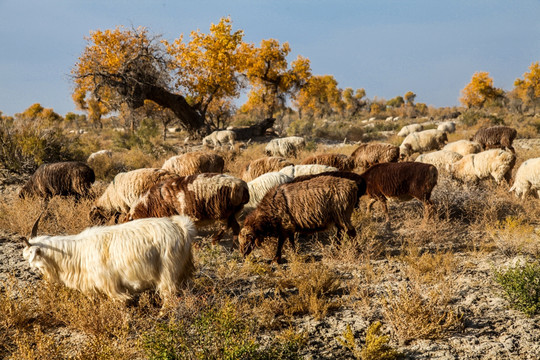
[388, 47]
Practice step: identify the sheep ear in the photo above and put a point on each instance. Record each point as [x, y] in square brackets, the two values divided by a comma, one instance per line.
[35, 251]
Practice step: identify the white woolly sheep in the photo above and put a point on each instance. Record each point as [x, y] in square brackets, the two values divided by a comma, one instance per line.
[220, 138]
[447, 126]
[118, 260]
[300, 170]
[422, 141]
[288, 146]
[527, 179]
[441, 159]
[260, 186]
[463, 147]
[409, 129]
[193, 163]
[495, 163]
[99, 154]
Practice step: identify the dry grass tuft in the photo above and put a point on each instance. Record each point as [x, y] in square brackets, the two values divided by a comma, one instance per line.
[417, 312]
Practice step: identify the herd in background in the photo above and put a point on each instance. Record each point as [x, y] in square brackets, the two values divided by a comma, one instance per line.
[159, 209]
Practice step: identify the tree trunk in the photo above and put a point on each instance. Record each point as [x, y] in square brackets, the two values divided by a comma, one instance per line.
[193, 122]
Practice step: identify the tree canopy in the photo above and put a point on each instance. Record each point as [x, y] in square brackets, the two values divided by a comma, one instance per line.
[197, 80]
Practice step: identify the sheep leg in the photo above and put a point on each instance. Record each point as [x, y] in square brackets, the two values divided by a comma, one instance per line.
[281, 241]
[370, 205]
[429, 209]
[217, 236]
[385, 209]
[234, 226]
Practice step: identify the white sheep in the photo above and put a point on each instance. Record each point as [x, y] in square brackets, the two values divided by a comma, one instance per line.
[447, 126]
[260, 186]
[220, 138]
[441, 159]
[300, 170]
[118, 260]
[409, 129]
[288, 146]
[463, 147]
[422, 141]
[527, 179]
[99, 154]
[495, 163]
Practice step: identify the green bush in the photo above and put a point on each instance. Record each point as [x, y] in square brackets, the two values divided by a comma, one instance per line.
[216, 333]
[521, 285]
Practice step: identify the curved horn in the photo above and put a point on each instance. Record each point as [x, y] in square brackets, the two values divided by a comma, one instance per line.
[35, 227]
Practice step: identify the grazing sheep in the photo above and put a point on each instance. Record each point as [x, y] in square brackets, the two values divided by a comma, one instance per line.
[494, 163]
[447, 126]
[341, 162]
[441, 159]
[495, 137]
[422, 141]
[463, 147]
[220, 138]
[62, 178]
[264, 165]
[99, 154]
[123, 191]
[299, 170]
[409, 129]
[527, 179]
[358, 179]
[288, 146]
[260, 186]
[118, 260]
[306, 207]
[204, 198]
[403, 181]
[196, 162]
[369, 154]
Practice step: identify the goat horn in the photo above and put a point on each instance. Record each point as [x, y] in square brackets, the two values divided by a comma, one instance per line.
[35, 227]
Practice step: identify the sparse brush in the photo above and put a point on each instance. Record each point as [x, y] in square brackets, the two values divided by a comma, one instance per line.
[63, 215]
[428, 267]
[416, 313]
[376, 346]
[34, 345]
[513, 236]
[521, 285]
[314, 284]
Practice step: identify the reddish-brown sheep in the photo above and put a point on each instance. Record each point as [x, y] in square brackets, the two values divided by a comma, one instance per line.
[341, 162]
[307, 206]
[204, 198]
[358, 179]
[62, 178]
[369, 154]
[403, 181]
[495, 137]
[264, 165]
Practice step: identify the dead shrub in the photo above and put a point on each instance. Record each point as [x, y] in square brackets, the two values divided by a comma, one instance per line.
[416, 312]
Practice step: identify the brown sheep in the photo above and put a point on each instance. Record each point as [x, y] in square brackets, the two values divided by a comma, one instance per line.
[369, 154]
[404, 181]
[196, 162]
[204, 198]
[264, 165]
[358, 179]
[495, 137]
[340, 161]
[307, 206]
[62, 178]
